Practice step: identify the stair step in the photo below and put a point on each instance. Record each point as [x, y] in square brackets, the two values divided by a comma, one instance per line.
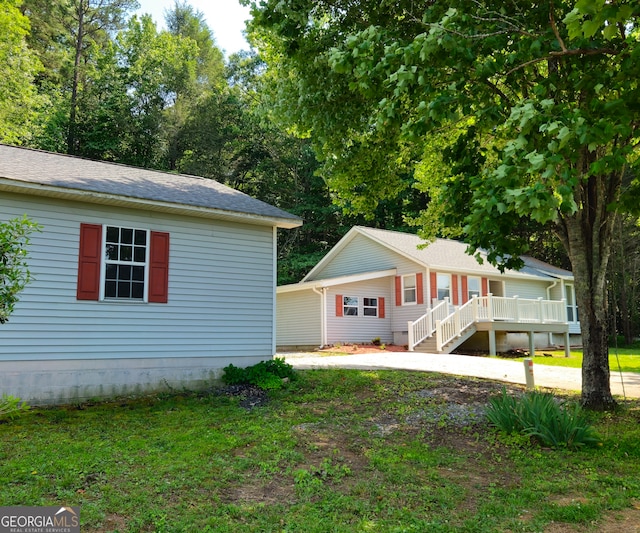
[429, 345]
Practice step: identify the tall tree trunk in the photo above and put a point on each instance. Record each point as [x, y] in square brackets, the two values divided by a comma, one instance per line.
[71, 138]
[587, 236]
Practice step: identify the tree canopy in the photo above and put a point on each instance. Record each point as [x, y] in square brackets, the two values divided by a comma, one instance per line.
[536, 104]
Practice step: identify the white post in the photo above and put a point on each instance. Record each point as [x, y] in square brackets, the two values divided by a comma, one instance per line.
[567, 345]
[474, 305]
[542, 320]
[490, 308]
[528, 373]
[492, 343]
[410, 335]
[532, 344]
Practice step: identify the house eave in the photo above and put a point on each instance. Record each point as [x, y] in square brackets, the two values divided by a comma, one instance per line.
[49, 191]
[340, 280]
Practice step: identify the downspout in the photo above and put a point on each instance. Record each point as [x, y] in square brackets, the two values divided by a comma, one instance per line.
[274, 310]
[323, 314]
[550, 335]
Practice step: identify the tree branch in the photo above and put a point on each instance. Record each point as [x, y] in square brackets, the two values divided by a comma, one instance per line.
[555, 28]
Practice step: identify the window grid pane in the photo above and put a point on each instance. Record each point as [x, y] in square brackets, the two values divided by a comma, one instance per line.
[125, 262]
[370, 307]
[473, 287]
[444, 286]
[350, 306]
[409, 293]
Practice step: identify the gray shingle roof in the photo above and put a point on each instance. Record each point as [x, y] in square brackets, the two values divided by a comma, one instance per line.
[451, 255]
[63, 171]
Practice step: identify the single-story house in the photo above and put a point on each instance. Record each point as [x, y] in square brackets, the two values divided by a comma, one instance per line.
[143, 280]
[392, 286]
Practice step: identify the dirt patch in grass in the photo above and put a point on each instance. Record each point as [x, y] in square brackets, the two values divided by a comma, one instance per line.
[361, 348]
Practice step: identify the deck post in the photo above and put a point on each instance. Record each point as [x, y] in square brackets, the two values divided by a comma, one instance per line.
[492, 342]
[542, 317]
[532, 344]
[567, 345]
[410, 335]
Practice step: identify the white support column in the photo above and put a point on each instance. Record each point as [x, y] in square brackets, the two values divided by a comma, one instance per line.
[492, 343]
[410, 335]
[532, 344]
[567, 345]
[541, 310]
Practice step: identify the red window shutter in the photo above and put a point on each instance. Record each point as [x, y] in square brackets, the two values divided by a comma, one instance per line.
[398, 290]
[159, 267]
[89, 262]
[454, 289]
[339, 310]
[433, 279]
[419, 289]
[381, 308]
[485, 286]
[465, 290]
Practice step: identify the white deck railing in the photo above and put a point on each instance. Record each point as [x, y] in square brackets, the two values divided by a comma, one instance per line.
[425, 326]
[483, 309]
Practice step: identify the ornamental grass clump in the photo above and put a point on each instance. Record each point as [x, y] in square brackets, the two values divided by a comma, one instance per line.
[544, 419]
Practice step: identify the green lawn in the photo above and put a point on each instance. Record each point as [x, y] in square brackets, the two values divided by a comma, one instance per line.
[626, 360]
[338, 451]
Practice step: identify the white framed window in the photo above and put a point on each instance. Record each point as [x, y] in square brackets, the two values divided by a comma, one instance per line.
[350, 305]
[409, 289]
[473, 287]
[444, 286]
[122, 263]
[126, 263]
[370, 307]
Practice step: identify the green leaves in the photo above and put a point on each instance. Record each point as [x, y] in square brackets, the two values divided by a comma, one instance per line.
[543, 418]
[14, 271]
[592, 17]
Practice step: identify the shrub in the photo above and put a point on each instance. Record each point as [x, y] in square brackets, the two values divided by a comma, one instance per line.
[271, 374]
[541, 417]
[11, 406]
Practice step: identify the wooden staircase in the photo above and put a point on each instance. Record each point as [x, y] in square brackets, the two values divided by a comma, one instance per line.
[429, 345]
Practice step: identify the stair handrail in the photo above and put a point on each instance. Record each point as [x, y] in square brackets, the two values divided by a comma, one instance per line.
[424, 327]
[455, 324]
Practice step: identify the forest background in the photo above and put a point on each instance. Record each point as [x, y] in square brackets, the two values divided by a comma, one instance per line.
[93, 79]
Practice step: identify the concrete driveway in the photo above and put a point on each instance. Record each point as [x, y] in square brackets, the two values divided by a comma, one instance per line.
[627, 384]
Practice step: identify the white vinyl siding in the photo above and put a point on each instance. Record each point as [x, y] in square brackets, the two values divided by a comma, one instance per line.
[360, 328]
[532, 289]
[364, 255]
[299, 320]
[221, 295]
